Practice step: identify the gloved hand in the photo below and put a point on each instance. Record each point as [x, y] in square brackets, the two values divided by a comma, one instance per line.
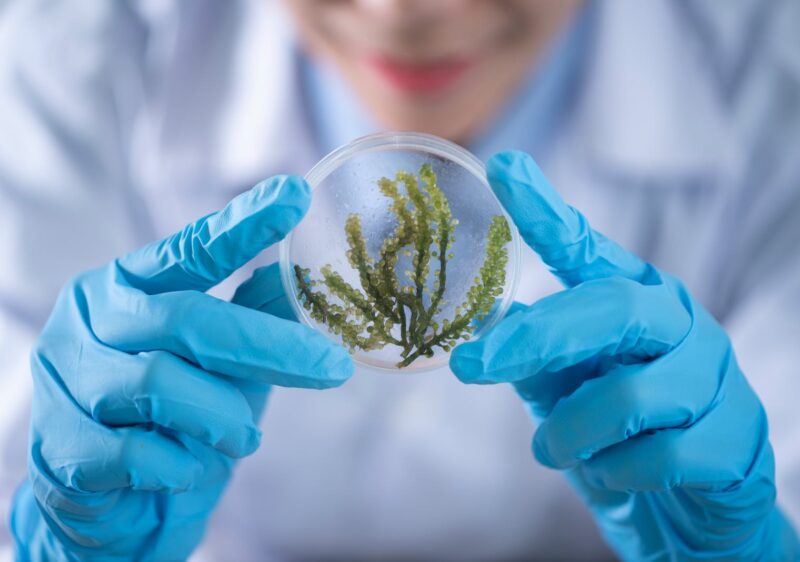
[146, 389]
[637, 388]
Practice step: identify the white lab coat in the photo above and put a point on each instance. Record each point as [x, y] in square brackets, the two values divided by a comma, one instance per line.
[121, 121]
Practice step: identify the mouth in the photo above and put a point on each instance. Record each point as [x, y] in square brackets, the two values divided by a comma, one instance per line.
[420, 77]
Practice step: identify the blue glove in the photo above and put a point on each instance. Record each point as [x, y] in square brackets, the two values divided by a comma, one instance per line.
[637, 388]
[146, 389]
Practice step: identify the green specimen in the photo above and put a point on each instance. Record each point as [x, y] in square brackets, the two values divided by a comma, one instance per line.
[402, 312]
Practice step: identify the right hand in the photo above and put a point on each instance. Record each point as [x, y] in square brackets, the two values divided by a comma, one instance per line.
[146, 389]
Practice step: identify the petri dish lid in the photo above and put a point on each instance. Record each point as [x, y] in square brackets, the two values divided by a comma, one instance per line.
[345, 183]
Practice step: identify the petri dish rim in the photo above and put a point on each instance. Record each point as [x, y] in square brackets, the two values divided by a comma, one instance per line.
[419, 142]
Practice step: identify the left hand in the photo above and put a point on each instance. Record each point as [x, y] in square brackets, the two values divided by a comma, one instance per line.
[638, 391]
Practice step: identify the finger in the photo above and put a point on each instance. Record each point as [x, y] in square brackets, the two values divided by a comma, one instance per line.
[78, 453]
[85, 455]
[515, 307]
[543, 391]
[667, 393]
[264, 292]
[120, 389]
[557, 232]
[101, 459]
[218, 336]
[674, 390]
[610, 318]
[209, 250]
[720, 450]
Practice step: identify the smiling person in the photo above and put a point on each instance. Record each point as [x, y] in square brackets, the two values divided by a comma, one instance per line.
[655, 364]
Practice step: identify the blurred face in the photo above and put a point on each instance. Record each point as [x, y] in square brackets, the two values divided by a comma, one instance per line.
[438, 66]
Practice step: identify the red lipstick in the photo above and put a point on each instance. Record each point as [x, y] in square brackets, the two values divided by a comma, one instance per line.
[419, 77]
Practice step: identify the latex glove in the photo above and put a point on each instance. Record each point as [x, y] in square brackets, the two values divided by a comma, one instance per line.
[146, 388]
[637, 388]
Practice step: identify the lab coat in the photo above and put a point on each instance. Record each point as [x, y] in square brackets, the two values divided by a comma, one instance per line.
[122, 121]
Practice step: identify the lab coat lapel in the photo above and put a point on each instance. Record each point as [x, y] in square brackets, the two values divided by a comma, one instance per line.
[225, 111]
[267, 129]
[650, 113]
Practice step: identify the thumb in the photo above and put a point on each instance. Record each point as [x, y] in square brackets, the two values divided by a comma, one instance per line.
[207, 251]
[264, 292]
[560, 234]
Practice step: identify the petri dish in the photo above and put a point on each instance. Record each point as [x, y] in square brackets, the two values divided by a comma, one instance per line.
[344, 184]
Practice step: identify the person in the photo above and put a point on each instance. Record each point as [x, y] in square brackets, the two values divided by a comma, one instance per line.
[671, 127]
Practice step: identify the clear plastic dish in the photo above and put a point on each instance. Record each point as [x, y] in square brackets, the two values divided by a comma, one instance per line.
[345, 183]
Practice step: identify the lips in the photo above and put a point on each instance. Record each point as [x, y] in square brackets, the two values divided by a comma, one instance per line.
[419, 77]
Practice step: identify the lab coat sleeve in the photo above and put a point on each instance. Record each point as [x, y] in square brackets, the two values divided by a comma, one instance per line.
[68, 98]
[764, 317]
[760, 281]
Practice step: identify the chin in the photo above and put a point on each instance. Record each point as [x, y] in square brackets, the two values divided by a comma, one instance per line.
[416, 119]
[439, 114]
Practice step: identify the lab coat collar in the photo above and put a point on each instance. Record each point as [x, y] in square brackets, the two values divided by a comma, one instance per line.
[649, 111]
[658, 110]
